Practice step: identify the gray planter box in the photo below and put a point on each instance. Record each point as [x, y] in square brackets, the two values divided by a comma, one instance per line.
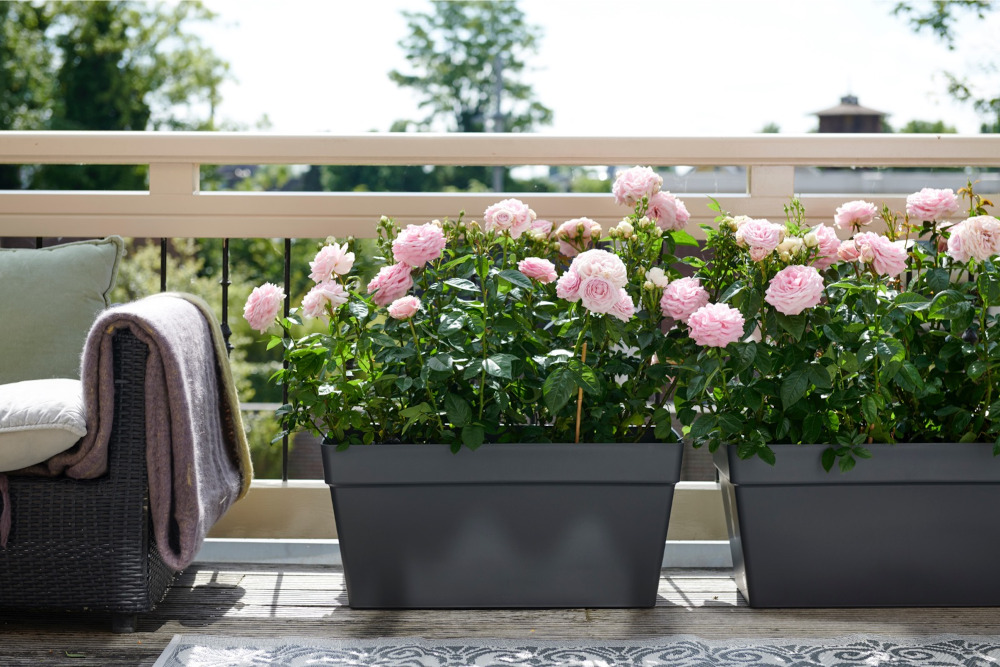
[508, 525]
[916, 525]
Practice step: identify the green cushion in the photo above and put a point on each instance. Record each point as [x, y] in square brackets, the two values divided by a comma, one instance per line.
[48, 299]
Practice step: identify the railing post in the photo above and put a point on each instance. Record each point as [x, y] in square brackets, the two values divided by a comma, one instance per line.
[169, 179]
[771, 181]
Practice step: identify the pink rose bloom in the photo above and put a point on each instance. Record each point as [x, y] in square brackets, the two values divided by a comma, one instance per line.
[848, 251]
[932, 204]
[854, 214]
[598, 294]
[761, 236]
[568, 286]
[828, 248]
[391, 283]
[538, 269]
[541, 229]
[509, 215]
[633, 184]
[682, 297]
[327, 292]
[575, 235]
[667, 211]
[887, 258]
[716, 325]
[418, 244]
[624, 309]
[600, 263]
[976, 238]
[331, 259]
[404, 307]
[794, 288]
[263, 305]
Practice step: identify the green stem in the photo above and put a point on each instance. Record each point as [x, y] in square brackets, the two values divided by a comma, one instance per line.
[430, 393]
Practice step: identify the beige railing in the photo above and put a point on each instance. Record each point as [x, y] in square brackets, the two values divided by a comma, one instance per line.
[174, 206]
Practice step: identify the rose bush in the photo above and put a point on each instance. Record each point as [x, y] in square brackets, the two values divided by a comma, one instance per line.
[888, 336]
[508, 329]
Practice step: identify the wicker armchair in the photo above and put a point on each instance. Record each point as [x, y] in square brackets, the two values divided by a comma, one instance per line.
[87, 544]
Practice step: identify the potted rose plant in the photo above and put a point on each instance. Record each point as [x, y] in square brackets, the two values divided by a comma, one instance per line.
[538, 345]
[883, 346]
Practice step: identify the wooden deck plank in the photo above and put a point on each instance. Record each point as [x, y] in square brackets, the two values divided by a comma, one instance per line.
[269, 601]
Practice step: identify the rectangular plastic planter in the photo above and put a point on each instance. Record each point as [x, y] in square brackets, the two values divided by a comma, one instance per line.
[507, 525]
[916, 525]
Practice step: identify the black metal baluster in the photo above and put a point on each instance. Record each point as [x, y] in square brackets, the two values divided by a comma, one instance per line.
[284, 387]
[39, 242]
[163, 265]
[225, 282]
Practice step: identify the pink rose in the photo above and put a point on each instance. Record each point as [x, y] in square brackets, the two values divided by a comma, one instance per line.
[667, 211]
[682, 297]
[716, 325]
[537, 268]
[887, 258]
[829, 245]
[976, 238]
[931, 204]
[598, 294]
[510, 215]
[404, 307]
[794, 288]
[761, 236]
[854, 214]
[418, 244]
[263, 305]
[568, 286]
[575, 235]
[541, 229]
[600, 263]
[391, 283]
[848, 251]
[327, 292]
[633, 184]
[624, 308]
[331, 259]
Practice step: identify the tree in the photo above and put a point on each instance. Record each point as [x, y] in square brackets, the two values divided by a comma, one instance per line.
[927, 127]
[939, 17]
[116, 65]
[468, 57]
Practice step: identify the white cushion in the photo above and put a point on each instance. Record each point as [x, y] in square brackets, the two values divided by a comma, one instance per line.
[38, 419]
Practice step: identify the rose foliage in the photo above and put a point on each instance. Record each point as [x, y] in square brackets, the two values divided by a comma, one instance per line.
[888, 336]
[504, 329]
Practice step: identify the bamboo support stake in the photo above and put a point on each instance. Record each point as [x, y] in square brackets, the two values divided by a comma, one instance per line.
[579, 396]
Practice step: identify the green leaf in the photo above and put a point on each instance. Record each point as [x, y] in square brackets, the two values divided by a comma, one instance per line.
[793, 388]
[976, 369]
[938, 280]
[869, 409]
[705, 424]
[793, 324]
[890, 349]
[458, 409]
[988, 284]
[847, 463]
[452, 322]
[441, 362]
[829, 458]
[731, 424]
[911, 301]
[358, 308]
[746, 353]
[473, 435]
[499, 365]
[558, 388]
[681, 237]
[812, 426]
[819, 376]
[584, 376]
[766, 454]
[515, 277]
[948, 305]
[415, 410]
[462, 284]
[274, 342]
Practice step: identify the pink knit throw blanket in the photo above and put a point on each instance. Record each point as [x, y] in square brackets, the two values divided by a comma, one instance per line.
[196, 450]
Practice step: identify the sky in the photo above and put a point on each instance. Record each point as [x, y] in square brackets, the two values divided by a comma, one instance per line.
[609, 67]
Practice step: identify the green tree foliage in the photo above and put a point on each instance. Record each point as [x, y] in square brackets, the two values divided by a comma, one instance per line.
[940, 17]
[117, 65]
[927, 127]
[459, 52]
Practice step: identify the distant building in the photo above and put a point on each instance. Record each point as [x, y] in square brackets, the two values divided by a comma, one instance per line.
[849, 116]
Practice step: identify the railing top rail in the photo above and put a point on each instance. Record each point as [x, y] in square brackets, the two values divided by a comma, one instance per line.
[829, 150]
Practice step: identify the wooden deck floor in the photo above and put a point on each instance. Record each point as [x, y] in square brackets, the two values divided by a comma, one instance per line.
[311, 601]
